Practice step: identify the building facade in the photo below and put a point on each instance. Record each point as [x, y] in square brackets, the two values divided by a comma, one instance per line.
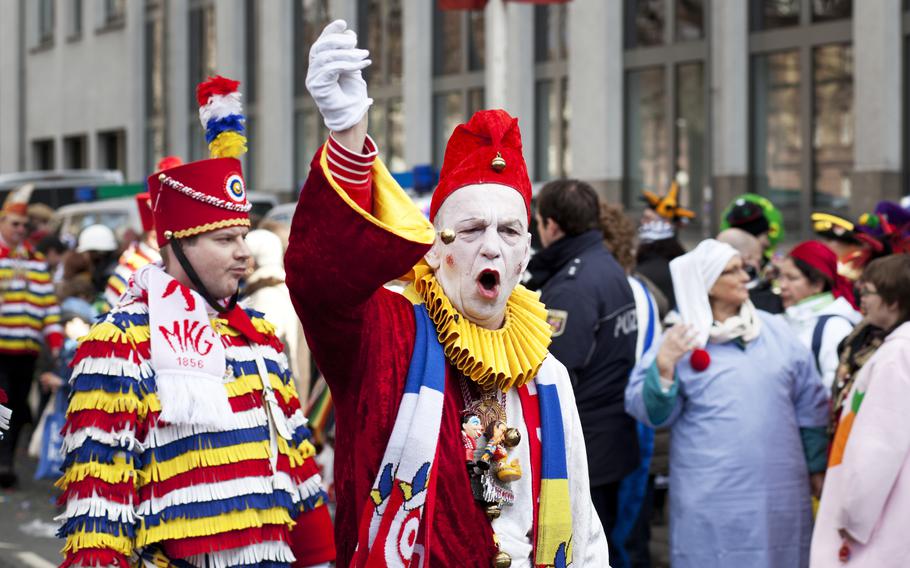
[803, 101]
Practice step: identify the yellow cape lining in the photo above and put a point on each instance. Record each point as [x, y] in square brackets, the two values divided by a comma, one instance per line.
[506, 357]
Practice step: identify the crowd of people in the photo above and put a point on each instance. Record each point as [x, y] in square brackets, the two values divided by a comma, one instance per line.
[493, 405]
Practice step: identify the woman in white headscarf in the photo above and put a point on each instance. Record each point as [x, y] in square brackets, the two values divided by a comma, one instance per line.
[747, 412]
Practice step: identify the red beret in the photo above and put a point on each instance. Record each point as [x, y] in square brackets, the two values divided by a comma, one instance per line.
[198, 197]
[485, 150]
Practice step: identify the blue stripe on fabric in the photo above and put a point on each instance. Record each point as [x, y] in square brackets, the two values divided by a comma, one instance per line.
[124, 320]
[314, 500]
[553, 446]
[240, 368]
[114, 384]
[96, 525]
[254, 313]
[427, 367]
[300, 434]
[209, 441]
[215, 126]
[200, 510]
[94, 451]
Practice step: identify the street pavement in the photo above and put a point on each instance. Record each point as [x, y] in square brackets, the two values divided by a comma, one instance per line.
[27, 525]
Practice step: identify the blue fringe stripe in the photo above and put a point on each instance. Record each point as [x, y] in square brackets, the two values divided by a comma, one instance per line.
[229, 123]
[313, 501]
[300, 434]
[199, 510]
[208, 441]
[93, 451]
[125, 320]
[240, 368]
[96, 525]
[114, 384]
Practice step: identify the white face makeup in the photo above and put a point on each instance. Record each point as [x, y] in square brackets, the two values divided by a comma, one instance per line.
[481, 267]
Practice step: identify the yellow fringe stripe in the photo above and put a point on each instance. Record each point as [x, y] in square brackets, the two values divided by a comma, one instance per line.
[80, 540]
[118, 472]
[25, 296]
[206, 526]
[228, 144]
[108, 332]
[108, 402]
[160, 471]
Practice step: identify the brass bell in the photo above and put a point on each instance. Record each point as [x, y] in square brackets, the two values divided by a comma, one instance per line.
[498, 164]
[447, 236]
[502, 560]
[169, 235]
[493, 511]
[511, 438]
[162, 177]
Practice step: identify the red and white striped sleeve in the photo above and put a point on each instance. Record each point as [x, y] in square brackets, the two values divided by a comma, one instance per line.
[352, 170]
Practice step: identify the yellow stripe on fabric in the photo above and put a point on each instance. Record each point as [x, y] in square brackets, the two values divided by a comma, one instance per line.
[107, 401]
[393, 210]
[30, 321]
[554, 521]
[30, 298]
[35, 276]
[107, 331]
[244, 384]
[207, 526]
[160, 471]
[80, 540]
[118, 472]
[19, 345]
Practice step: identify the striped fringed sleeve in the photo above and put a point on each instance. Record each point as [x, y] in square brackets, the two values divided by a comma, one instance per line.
[106, 421]
[300, 452]
[52, 330]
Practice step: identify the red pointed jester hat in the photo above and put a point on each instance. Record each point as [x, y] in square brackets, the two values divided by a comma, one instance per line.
[206, 195]
[487, 149]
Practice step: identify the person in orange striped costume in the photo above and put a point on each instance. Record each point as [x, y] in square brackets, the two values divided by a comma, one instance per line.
[29, 317]
[185, 442]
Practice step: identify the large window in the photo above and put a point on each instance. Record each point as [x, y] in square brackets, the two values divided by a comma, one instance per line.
[458, 63]
[551, 120]
[201, 30]
[155, 108]
[665, 133]
[310, 16]
[802, 107]
[381, 31]
[75, 152]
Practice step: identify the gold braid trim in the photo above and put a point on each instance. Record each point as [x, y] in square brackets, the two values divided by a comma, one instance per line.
[506, 357]
[236, 222]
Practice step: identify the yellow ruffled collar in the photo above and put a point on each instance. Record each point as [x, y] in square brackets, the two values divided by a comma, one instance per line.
[506, 357]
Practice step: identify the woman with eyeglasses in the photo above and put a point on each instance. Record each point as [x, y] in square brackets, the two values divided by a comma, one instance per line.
[865, 506]
[747, 412]
[818, 302]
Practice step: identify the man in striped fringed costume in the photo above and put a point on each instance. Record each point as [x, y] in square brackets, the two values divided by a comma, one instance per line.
[462, 351]
[29, 317]
[185, 442]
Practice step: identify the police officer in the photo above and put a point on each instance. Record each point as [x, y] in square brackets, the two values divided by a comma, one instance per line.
[592, 311]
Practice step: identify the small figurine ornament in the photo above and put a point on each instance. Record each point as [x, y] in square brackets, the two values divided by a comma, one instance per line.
[471, 430]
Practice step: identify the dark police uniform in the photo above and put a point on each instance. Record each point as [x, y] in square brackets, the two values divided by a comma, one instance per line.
[592, 311]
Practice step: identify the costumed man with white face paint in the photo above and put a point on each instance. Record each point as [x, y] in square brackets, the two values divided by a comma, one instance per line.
[458, 441]
[185, 442]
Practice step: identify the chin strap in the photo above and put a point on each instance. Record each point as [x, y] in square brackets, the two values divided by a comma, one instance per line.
[197, 282]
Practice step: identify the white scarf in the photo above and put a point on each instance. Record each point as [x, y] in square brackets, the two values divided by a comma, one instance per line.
[694, 274]
[187, 354]
[745, 325]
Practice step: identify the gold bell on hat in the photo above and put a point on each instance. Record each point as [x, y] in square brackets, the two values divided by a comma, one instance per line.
[502, 560]
[498, 164]
[447, 236]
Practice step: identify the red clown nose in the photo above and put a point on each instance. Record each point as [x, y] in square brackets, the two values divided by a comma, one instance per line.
[700, 360]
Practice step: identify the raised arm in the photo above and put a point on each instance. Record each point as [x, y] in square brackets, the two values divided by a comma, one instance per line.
[354, 228]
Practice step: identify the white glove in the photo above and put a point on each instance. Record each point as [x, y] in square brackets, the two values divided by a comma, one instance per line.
[334, 79]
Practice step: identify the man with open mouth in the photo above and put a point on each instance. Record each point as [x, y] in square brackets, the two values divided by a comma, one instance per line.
[458, 442]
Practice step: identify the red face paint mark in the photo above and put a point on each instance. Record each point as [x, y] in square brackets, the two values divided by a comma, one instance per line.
[450, 261]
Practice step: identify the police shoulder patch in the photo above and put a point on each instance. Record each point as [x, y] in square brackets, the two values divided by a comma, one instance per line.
[557, 320]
